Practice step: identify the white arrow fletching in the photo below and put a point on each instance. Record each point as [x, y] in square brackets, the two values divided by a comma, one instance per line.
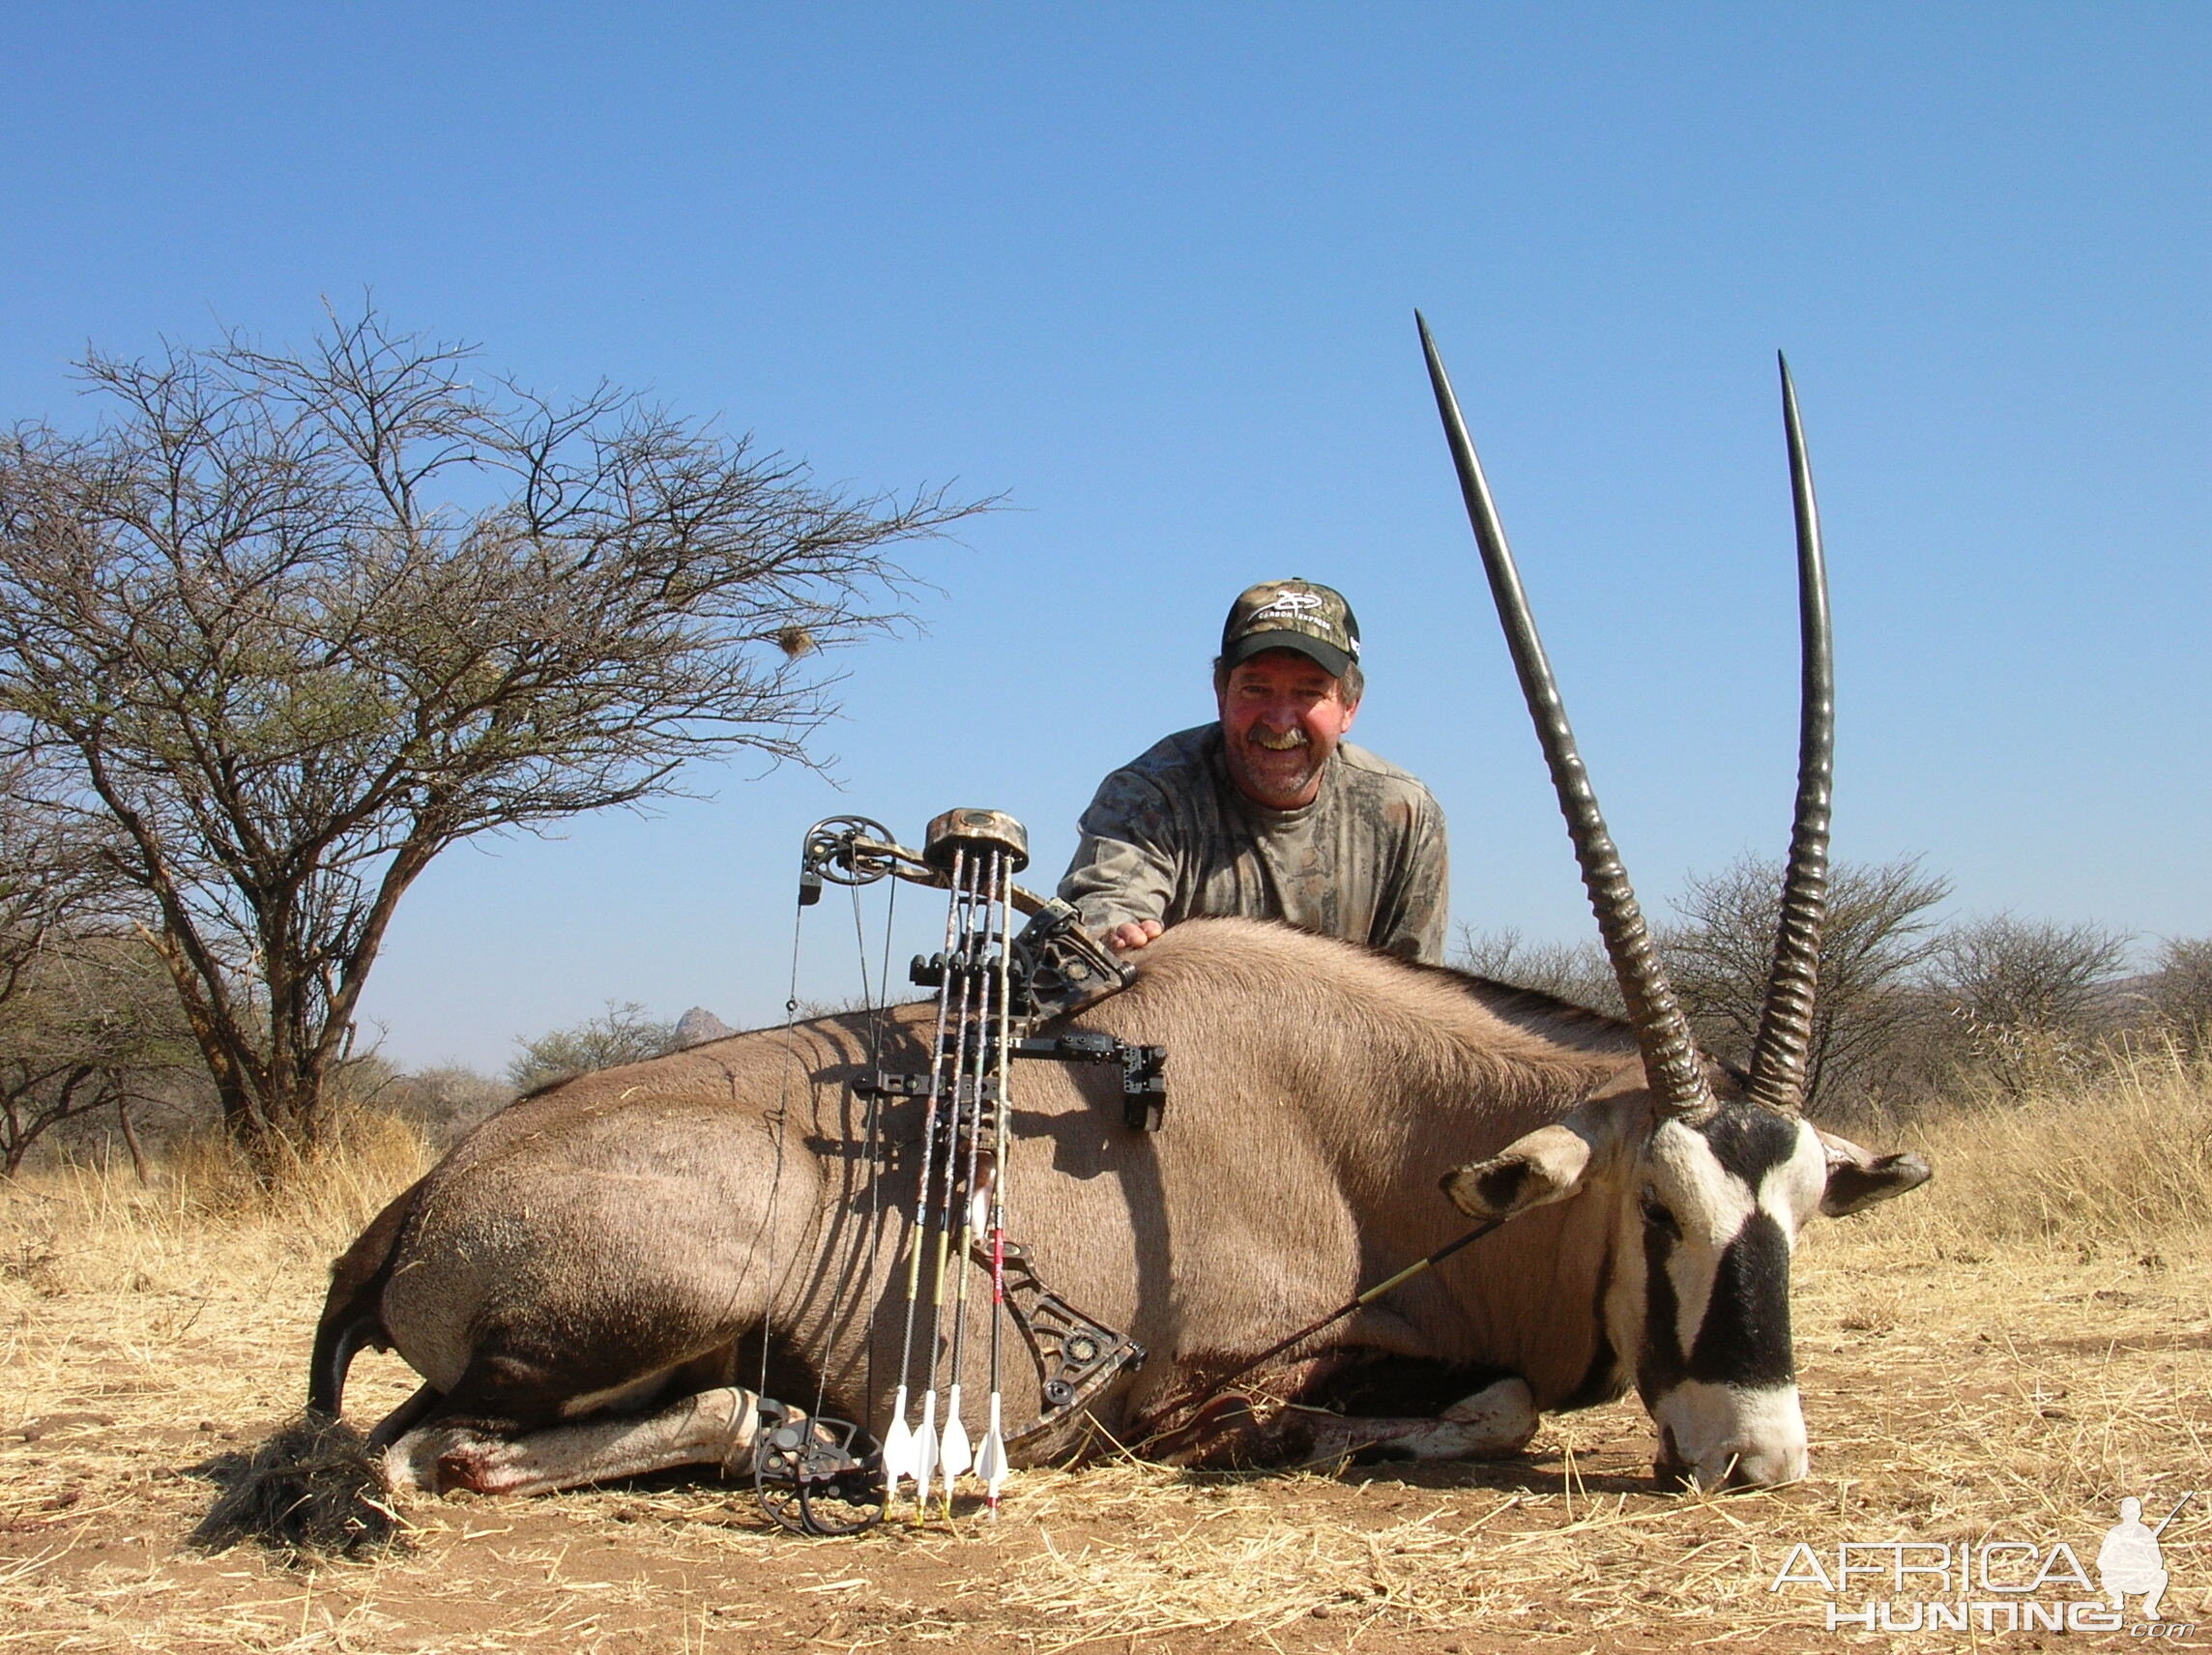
[954, 1456]
[991, 1460]
[898, 1446]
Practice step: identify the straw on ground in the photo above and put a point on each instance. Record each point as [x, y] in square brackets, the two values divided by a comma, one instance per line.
[2012, 1350]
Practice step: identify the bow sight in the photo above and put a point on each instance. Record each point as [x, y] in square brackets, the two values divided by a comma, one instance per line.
[992, 987]
[1053, 965]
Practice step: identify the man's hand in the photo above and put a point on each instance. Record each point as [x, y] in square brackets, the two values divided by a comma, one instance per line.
[1132, 936]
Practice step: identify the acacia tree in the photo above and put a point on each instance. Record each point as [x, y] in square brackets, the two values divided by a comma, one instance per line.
[295, 624]
[2178, 994]
[1879, 934]
[2007, 975]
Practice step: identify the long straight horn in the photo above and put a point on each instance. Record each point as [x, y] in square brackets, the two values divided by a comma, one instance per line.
[1786, 1018]
[1671, 1060]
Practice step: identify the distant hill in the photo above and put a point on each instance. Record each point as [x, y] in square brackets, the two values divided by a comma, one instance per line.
[697, 1027]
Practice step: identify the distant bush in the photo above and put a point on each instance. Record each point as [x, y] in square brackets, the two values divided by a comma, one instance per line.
[622, 1035]
[2028, 1002]
[447, 1101]
[2176, 995]
[1877, 938]
[2007, 973]
[1910, 1017]
[1578, 971]
[1719, 954]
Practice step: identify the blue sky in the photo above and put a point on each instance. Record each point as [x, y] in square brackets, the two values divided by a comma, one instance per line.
[1148, 271]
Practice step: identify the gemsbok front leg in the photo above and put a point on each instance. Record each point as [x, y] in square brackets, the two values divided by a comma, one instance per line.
[719, 1427]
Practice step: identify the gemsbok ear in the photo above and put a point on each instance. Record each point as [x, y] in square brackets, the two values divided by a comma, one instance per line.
[1858, 1179]
[1547, 1165]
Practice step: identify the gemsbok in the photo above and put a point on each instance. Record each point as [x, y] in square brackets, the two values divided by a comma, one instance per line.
[611, 1277]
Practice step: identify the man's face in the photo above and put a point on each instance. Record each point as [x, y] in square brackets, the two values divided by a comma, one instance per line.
[1281, 717]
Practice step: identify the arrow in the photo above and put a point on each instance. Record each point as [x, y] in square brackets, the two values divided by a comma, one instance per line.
[991, 1463]
[902, 1458]
[954, 1455]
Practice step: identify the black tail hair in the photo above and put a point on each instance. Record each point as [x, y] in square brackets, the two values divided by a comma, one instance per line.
[313, 1488]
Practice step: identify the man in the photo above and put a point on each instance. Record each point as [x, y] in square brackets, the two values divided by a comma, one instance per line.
[1268, 813]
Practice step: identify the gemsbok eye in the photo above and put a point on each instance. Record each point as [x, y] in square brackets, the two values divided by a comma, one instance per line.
[1657, 1215]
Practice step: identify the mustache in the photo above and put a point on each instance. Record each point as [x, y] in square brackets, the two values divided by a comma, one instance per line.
[1283, 741]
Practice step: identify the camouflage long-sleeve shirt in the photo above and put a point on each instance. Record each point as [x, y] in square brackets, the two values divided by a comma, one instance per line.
[1168, 836]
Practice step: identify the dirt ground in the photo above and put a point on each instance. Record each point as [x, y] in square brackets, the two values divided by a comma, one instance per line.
[1955, 1393]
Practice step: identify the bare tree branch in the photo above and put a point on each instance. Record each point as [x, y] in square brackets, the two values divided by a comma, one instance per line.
[291, 624]
[1880, 933]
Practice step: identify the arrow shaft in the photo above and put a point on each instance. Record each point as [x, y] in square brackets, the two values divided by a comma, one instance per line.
[928, 1147]
[966, 1192]
[1342, 1311]
[995, 1444]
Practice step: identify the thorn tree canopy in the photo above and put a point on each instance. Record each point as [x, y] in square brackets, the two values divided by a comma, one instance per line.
[295, 624]
[1879, 933]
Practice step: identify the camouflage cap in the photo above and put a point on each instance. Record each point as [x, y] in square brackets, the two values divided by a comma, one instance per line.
[1291, 614]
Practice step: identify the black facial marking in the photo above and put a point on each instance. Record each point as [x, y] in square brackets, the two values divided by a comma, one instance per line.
[1659, 1366]
[1750, 1142]
[1745, 1337]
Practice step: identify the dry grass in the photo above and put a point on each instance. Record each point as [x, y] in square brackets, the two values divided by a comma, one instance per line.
[2006, 1353]
[324, 1197]
[2116, 1161]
